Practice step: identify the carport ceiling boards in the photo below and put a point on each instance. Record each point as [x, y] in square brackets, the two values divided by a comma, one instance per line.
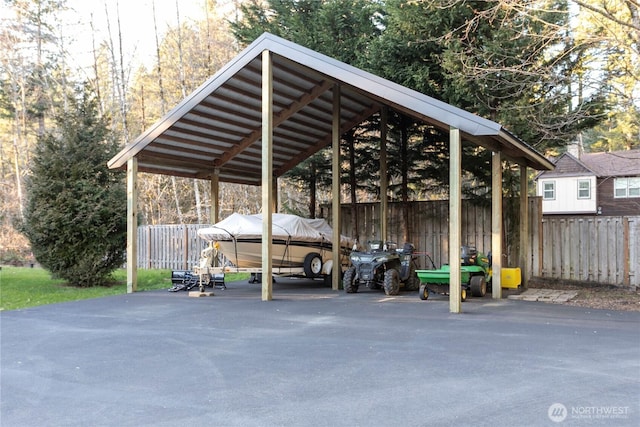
[219, 126]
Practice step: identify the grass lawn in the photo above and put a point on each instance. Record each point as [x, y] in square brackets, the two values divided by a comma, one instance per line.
[22, 287]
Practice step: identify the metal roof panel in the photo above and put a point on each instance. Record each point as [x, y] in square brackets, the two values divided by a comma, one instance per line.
[221, 120]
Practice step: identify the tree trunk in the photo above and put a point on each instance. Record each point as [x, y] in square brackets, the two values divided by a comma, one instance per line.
[96, 86]
[349, 137]
[123, 81]
[404, 190]
[163, 100]
[312, 190]
[16, 163]
[196, 191]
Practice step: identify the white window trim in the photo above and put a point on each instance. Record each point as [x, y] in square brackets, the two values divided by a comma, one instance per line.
[626, 188]
[544, 190]
[588, 189]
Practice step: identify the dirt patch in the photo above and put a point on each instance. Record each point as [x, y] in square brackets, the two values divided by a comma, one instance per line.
[593, 295]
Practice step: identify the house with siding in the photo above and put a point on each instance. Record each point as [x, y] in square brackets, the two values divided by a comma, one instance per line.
[592, 184]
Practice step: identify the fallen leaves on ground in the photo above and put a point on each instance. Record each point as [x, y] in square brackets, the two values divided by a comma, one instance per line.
[593, 295]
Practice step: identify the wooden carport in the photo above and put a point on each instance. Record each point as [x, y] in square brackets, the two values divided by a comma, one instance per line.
[276, 104]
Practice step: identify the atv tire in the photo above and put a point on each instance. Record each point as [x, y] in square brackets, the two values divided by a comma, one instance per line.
[412, 283]
[391, 282]
[348, 281]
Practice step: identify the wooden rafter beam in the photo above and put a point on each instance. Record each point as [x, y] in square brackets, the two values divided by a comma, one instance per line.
[277, 120]
[314, 148]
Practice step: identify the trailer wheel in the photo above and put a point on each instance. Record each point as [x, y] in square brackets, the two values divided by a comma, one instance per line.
[424, 292]
[391, 282]
[312, 265]
[463, 294]
[478, 286]
[348, 281]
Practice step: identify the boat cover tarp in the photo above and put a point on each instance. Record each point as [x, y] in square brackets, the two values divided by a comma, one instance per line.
[285, 227]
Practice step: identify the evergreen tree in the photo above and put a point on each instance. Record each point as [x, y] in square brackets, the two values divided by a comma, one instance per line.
[75, 216]
[511, 62]
[609, 30]
[341, 29]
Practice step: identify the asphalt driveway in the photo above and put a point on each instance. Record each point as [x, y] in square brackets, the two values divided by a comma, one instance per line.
[316, 357]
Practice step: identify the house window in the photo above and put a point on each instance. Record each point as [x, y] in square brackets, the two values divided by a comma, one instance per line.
[634, 187]
[626, 187]
[549, 190]
[584, 189]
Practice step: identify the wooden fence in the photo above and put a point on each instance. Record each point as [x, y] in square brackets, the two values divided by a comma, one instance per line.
[428, 226]
[174, 247]
[598, 249]
[603, 249]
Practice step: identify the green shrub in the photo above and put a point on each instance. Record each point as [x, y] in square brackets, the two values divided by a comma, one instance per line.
[75, 216]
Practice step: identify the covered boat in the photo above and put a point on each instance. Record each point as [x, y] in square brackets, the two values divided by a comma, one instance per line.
[298, 243]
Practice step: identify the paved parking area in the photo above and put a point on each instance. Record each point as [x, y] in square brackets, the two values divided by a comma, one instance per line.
[316, 357]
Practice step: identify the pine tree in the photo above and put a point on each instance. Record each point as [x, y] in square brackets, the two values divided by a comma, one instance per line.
[341, 29]
[75, 217]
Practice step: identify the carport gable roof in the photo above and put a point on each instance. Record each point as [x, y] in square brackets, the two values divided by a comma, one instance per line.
[218, 127]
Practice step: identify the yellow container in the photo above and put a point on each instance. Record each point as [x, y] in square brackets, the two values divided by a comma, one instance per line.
[511, 278]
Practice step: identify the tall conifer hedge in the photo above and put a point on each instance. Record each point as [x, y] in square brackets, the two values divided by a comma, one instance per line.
[75, 215]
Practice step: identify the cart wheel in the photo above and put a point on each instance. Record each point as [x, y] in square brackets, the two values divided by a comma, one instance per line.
[424, 292]
[463, 294]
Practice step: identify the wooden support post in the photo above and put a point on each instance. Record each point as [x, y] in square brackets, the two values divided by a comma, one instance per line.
[132, 225]
[214, 214]
[496, 224]
[455, 215]
[267, 175]
[626, 253]
[335, 189]
[524, 226]
[384, 205]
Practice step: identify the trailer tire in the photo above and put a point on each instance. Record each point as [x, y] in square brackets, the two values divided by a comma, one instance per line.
[424, 292]
[312, 265]
[348, 281]
[478, 286]
[391, 282]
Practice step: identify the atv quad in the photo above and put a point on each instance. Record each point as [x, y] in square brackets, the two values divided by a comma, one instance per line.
[382, 266]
